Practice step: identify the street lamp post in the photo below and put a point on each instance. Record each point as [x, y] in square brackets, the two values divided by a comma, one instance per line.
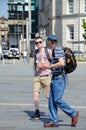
[43, 35]
[27, 40]
[23, 24]
[78, 27]
[18, 27]
[15, 34]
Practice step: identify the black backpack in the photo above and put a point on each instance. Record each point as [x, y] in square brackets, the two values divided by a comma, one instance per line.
[71, 62]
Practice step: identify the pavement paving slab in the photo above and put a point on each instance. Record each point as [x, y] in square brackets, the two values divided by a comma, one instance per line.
[16, 98]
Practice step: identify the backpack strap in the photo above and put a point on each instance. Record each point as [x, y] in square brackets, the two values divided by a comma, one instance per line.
[53, 53]
[35, 57]
[47, 54]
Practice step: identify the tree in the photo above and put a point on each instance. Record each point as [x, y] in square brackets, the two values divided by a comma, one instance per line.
[84, 34]
[84, 27]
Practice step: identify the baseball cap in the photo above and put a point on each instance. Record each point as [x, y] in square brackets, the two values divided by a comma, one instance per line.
[52, 37]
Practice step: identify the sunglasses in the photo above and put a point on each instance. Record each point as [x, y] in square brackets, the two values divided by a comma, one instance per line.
[38, 42]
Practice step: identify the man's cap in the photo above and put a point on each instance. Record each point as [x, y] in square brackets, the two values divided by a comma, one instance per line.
[52, 37]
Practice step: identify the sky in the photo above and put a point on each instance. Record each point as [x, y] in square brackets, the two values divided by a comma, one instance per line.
[3, 8]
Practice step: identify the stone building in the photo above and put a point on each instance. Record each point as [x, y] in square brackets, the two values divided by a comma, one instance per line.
[64, 18]
[3, 30]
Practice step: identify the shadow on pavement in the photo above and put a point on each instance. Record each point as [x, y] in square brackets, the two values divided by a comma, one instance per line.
[43, 117]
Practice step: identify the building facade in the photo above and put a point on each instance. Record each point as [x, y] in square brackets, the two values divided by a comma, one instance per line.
[4, 33]
[18, 13]
[64, 18]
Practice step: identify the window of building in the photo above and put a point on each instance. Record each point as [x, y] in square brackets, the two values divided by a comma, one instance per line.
[71, 6]
[11, 29]
[70, 34]
[32, 8]
[33, 20]
[16, 1]
[26, 8]
[11, 0]
[9, 7]
[19, 29]
[14, 7]
[26, 1]
[19, 8]
[11, 15]
[21, 1]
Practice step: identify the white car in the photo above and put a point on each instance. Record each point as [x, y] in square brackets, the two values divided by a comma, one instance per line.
[13, 53]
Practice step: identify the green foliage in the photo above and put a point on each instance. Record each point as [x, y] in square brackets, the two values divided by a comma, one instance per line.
[84, 24]
[84, 36]
[84, 27]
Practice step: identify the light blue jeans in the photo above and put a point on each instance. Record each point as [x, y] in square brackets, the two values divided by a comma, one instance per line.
[57, 88]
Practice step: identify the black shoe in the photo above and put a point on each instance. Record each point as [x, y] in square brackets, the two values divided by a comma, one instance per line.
[35, 116]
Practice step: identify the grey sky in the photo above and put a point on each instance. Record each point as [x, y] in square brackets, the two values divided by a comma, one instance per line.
[3, 8]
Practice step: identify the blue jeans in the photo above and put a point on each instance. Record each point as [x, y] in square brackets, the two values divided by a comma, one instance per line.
[57, 88]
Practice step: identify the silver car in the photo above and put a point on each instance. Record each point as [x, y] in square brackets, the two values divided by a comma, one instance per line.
[13, 53]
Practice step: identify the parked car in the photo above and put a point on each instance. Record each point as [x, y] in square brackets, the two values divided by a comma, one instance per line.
[5, 53]
[78, 53]
[13, 53]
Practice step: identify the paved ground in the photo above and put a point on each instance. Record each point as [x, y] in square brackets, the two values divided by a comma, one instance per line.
[16, 99]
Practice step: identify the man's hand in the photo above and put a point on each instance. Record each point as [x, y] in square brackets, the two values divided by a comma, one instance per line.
[42, 65]
[39, 66]
[45, 65]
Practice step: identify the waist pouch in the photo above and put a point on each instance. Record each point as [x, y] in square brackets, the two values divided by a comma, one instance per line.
[56, 75]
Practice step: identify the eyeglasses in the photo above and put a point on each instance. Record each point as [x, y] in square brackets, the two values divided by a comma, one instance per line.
[38, 42]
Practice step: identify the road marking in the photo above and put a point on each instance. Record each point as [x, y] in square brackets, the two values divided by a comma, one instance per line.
[43, 105]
